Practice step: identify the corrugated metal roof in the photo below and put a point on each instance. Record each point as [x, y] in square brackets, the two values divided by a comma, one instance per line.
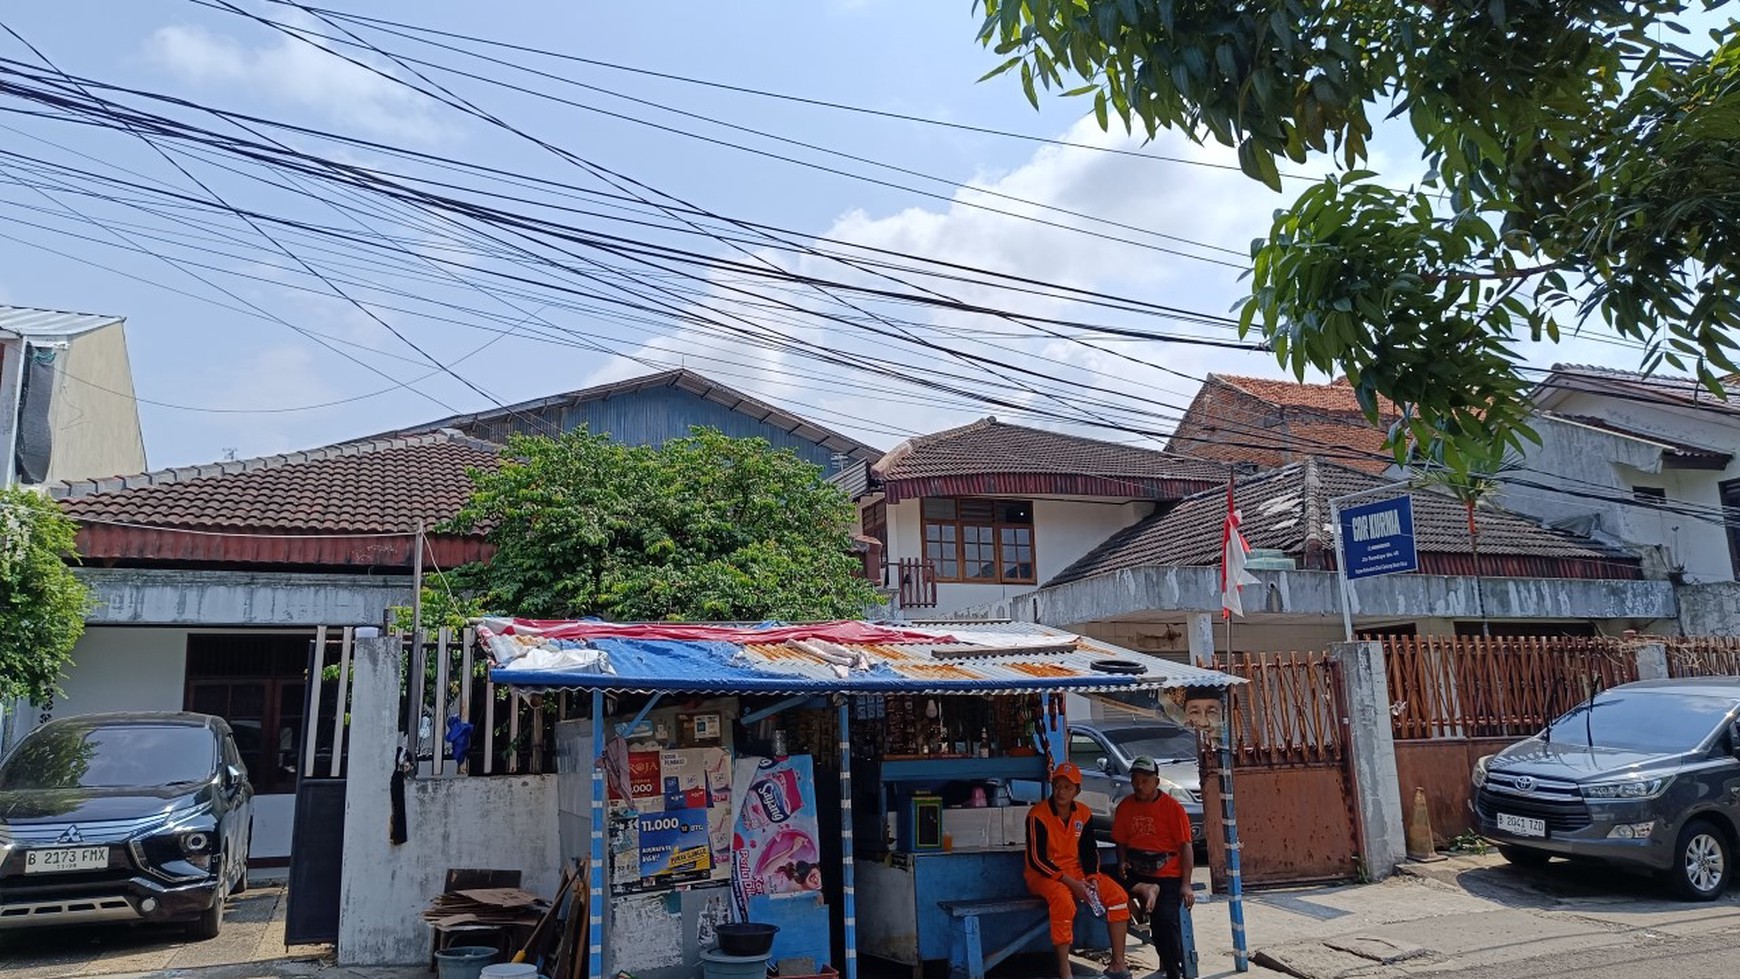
[50, 322]
[1016, 658]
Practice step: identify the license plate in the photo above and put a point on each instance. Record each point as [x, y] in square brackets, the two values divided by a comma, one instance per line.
[66, 861]
[1522, 825]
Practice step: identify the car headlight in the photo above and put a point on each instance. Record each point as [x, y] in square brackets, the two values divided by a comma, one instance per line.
[1176, 791]
[1480, 771]
[1631, 788]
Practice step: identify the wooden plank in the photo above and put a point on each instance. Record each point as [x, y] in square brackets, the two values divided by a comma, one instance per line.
[345, 647]
[311, 724]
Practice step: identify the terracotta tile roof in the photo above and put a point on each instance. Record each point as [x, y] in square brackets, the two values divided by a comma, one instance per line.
[1334, 398]
[379, 486]
[1288, 510]
[989, 456]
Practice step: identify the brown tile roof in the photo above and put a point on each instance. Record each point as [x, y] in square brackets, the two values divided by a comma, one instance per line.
[1334, 398]
[1288, 510]
[1026, 458]
[379, 486]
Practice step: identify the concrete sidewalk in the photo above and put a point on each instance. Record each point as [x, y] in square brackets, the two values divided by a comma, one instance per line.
[1463, 914]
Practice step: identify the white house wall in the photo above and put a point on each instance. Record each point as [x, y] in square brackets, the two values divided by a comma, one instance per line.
[1579, 463]
[1063, 531]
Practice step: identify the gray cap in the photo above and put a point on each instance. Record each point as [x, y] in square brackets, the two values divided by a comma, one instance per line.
[1143, 763]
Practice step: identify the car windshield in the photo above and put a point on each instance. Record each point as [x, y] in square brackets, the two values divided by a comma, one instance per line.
[130, 756]
[1162, 744]
[1638, 721]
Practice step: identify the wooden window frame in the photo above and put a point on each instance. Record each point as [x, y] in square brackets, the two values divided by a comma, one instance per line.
[995, 524]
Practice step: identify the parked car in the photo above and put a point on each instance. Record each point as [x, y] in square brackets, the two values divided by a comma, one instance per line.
[1104, 750]
[1645, 776]
[124, 818]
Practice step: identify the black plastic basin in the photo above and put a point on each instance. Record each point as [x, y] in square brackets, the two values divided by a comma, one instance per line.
[746, 938]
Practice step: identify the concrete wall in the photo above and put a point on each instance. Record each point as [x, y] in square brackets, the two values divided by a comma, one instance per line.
[94, 417]
[1710, 610]
[506, 823]
[1140, 591]
[1579, 463]
[1063, 531]
[136, 596]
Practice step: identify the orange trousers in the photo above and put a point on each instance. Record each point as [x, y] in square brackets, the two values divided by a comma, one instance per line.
[1061, 903]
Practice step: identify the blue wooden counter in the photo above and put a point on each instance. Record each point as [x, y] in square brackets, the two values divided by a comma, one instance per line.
[898, 917]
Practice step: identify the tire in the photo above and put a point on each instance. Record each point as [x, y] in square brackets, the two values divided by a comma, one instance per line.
[1703, 861]
[206, 926]
[1518, 856]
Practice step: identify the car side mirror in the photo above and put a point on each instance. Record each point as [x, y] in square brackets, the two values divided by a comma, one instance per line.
[232, 778]
[1104, 765]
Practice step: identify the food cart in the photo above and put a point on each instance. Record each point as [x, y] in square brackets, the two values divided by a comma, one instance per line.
[838, 780]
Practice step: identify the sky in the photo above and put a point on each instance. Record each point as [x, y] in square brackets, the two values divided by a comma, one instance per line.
[247, 343]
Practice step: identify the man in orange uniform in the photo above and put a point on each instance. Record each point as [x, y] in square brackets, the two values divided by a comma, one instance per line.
[1152, 832]
[1063, 868]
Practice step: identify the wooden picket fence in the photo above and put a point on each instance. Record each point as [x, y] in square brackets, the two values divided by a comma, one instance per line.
[1703, 655]
[1490, 686]
[1288, 712]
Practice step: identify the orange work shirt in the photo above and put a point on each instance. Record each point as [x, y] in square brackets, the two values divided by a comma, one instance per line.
[1161, 826]
[1055, 846]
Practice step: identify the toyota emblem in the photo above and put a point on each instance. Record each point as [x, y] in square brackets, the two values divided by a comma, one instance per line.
[1525, 783]
[71, 835]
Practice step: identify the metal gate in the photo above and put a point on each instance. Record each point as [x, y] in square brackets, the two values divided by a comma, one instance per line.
[317, 838]
[1293, 783]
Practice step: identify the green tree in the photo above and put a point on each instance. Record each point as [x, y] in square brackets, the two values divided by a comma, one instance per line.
[1580, 158]
[42, 604]
[1477, 484]
[703, 528]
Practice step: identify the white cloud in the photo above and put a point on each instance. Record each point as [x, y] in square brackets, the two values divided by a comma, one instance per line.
[300, 72]
[1187, 200]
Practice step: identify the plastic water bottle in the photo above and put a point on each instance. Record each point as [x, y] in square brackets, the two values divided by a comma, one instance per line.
[1095, 905]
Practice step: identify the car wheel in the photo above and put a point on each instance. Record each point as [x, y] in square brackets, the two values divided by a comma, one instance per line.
[1518, 856]
[206, 926]
[1702, 861]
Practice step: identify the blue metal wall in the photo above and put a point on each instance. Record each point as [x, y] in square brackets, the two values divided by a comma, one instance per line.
[656, 415]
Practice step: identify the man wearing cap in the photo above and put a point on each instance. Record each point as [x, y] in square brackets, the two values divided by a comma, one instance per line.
[1152, 833]
[1063, 868]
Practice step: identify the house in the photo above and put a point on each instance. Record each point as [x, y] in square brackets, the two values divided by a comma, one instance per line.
[212, 581]
[1155, 586]
[68, 388]
[1263, 423]
[1646, 463]
[990, 510]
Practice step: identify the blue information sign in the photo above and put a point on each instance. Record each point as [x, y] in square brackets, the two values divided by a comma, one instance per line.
[1378, 538]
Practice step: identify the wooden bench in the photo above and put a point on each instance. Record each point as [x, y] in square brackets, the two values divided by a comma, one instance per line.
[968, 958]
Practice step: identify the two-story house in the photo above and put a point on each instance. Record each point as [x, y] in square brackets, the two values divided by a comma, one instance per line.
[990, 510]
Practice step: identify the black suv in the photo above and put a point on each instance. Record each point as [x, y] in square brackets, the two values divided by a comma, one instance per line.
[1645, 776]
[124, 817]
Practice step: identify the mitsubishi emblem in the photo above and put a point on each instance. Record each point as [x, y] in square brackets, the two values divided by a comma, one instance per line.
[1525, 783]
[71, 835]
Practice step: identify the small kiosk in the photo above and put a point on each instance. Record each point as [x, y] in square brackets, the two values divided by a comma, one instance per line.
[837, 780]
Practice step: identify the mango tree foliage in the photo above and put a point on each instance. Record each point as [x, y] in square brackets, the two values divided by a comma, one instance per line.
[1582, 158]
[703, 528]
[42, 604]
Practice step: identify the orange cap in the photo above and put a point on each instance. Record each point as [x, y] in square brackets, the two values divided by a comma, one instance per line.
[1068, 771]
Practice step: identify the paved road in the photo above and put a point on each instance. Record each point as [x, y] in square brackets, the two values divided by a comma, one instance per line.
[253, 931]
[1688, 958]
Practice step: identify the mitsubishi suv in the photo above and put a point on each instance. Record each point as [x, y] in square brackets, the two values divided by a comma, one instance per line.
[138, 817]
[1645, 776]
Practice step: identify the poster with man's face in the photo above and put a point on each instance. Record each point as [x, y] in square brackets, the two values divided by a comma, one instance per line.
[1201, 709]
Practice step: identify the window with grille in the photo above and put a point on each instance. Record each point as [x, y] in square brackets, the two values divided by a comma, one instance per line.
[980, 541]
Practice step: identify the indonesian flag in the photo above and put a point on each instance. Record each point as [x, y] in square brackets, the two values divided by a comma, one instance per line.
[1233, 551]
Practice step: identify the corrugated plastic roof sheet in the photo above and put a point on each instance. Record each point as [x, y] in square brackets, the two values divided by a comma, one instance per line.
[647, 665]
[50, 322]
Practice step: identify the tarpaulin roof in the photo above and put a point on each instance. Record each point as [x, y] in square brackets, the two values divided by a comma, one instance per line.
[857, 657]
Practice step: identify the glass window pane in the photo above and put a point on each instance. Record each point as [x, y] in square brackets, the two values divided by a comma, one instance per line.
[939, 508]
[1015, 511]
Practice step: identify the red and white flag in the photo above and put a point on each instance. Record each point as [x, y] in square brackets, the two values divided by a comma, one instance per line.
[1233, 551]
